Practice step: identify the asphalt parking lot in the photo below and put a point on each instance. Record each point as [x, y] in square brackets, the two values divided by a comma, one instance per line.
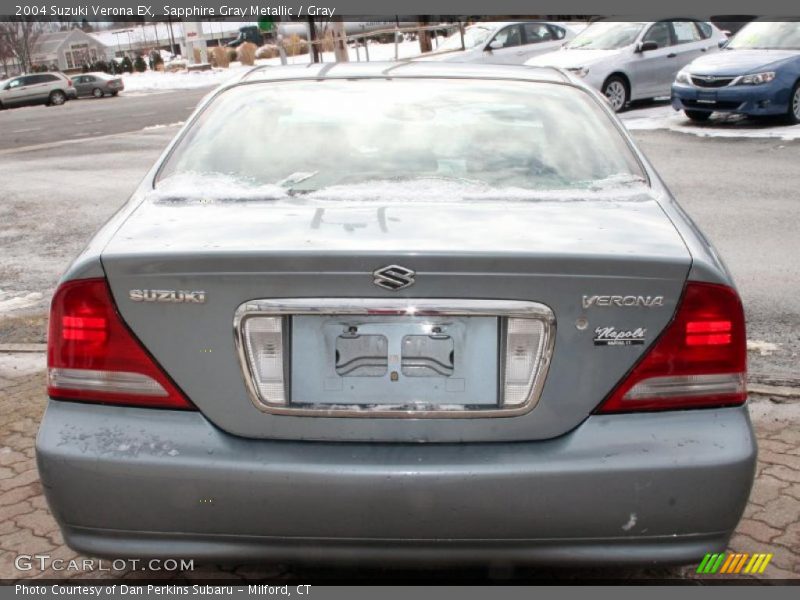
[63, 178]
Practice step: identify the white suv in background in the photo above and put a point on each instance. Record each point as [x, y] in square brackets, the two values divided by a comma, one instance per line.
[36, 88]
[633, 60]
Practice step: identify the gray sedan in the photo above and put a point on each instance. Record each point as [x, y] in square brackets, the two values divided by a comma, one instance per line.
[509, 43]
[633, 60]
[420, 312]
[97, 84]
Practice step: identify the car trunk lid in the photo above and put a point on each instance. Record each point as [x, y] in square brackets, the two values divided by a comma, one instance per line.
[602, 264]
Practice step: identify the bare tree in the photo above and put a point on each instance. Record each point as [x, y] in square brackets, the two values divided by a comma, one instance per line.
[6, 51]
[21, 35]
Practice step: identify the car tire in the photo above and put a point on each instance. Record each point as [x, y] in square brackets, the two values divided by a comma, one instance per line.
[97, 93]
[616, 90]
[699, 116]
[793, 114]
[114, 93]
[57, 98]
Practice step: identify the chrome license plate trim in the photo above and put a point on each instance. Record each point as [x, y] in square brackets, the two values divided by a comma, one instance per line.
[518, 309]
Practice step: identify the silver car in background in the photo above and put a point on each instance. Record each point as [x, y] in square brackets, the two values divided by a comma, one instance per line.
[634, 60]
[391, 313]
[53, 89]
[506, 42]
[98, 84]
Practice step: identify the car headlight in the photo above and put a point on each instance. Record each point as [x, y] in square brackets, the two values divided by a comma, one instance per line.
[579, 71]
[682, 77]
[757, 78]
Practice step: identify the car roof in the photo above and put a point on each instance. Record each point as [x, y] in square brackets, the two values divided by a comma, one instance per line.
[404, 69]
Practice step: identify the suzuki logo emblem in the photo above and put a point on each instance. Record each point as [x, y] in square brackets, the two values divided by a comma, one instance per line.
[393, 277]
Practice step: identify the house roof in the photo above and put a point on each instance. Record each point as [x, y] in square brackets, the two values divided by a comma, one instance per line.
[49, 43]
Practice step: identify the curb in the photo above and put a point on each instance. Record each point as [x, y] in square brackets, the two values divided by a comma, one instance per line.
[23, 348]
[779, 391]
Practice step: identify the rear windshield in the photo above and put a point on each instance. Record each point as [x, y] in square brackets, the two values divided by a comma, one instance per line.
[305, 136]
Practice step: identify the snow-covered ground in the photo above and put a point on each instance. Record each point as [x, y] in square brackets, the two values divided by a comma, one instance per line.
[720, 125]
[155, 81]
[151, 81]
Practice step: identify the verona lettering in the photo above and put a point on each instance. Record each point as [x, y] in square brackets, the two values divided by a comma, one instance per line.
[646, 301]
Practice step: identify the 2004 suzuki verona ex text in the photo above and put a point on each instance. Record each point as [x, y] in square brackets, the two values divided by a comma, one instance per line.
[414, 312]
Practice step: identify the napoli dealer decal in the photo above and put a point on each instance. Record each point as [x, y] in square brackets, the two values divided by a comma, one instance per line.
[611, 336]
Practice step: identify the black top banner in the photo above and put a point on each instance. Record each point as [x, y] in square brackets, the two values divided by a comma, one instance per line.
[285, 10]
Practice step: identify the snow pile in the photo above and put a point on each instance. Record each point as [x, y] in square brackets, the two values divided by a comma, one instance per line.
[720, 124]
[203, 188]
[442, 189]
[208, 188]
[151, 81]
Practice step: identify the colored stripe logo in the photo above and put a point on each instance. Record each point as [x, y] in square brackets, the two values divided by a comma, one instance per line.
[734, 563]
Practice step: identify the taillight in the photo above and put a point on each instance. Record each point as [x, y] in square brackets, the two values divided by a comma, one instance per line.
[700, 359]
[93, 356]
[69, 82]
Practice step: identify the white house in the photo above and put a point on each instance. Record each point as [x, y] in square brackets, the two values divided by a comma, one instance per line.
[68, 50]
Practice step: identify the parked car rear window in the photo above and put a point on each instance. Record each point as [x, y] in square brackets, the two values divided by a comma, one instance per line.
[324, 133]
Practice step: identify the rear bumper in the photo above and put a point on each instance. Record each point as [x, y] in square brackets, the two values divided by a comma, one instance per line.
[767, 99]
[664, 487]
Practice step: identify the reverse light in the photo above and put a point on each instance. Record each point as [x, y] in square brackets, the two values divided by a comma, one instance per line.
[264, 347]
[700, 359]
[524, 346]
[756, 78]
[93, 356]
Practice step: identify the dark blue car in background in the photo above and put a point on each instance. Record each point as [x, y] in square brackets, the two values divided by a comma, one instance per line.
[757, 73]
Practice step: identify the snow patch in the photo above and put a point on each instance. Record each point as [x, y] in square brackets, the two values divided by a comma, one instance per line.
[163, 125]
[207, 188]
[631, 522]
[10, 301]
[719, 125]
[152, 81]
[21, 364]
[198, 187]
[763, 348]
[618, 187]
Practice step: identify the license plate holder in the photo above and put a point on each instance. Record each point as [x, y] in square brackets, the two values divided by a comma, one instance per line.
[707, 97]
[394, 361]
